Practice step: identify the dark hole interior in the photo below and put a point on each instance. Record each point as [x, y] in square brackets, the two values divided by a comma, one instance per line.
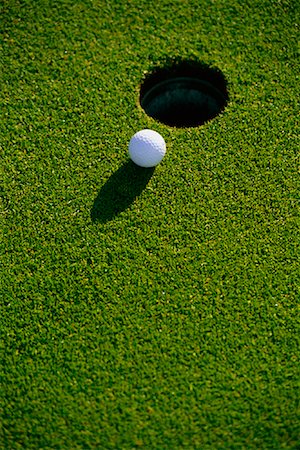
[184, 94]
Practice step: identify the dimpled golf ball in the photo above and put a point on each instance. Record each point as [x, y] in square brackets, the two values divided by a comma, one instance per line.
[147, 148]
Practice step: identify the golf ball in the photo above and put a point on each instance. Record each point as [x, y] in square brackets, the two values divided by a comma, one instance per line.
[147, 148]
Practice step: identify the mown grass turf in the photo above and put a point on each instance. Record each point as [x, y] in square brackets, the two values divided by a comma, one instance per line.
[169, 319]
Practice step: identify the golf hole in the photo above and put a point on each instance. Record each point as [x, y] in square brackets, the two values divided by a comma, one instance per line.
[184, 94]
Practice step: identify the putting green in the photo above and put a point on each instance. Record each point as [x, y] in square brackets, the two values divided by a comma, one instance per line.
[153, 309]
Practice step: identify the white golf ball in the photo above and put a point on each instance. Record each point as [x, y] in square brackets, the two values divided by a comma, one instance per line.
[147, 148]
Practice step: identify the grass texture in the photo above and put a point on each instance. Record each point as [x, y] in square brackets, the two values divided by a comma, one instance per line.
[148, 309]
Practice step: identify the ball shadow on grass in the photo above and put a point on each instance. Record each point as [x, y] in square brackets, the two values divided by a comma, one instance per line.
[120, 191]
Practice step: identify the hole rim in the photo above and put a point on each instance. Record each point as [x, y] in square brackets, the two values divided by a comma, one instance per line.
[210, 80]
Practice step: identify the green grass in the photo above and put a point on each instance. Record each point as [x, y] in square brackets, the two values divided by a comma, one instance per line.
[169, 319]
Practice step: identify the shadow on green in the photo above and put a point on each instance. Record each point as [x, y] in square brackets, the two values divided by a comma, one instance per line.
[120, 191]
